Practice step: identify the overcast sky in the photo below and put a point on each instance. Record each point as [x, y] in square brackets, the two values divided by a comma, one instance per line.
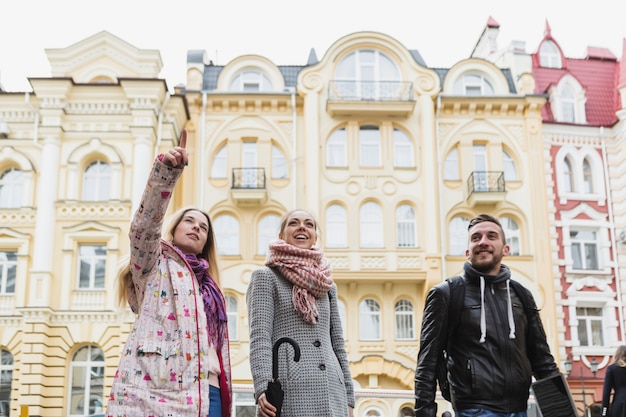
[284, 31]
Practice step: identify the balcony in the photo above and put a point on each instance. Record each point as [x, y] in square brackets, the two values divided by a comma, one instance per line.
[248, 187]
[486, 187]
[349, 98]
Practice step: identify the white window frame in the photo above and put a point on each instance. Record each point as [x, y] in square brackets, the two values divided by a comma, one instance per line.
[6, 380]
[451, 170]
[370, 147]
[405, 320]
[92, 262]
[267, 231]
[513, 235]
[90, 366]
[549, 55]
[219, 167]
[371, 225]
[370, 320]
[97, 181]
[232, 312]
[6, 266]
[578, 176]
[11, 188]
[336, 227]
[402, 150]
[406, 226]
[279, 163]
[226, 228]
[336, 149]
[457, 232]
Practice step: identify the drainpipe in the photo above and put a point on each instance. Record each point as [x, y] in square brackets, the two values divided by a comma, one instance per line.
[36, 125]
[613, 231]
[293, 151]
[442, 232]
[160, 124]
[201, 150]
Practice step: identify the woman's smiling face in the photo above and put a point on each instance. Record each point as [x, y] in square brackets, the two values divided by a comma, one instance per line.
[299, 230]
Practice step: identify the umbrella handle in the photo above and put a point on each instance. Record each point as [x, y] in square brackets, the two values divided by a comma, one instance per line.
[296, 354]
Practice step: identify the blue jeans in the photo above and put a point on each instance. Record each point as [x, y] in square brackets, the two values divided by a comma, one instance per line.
[215, 402]
[481, 412]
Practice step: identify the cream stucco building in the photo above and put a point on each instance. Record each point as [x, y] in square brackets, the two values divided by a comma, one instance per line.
[391, 156]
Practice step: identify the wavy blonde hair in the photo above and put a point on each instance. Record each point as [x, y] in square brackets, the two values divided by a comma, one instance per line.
[209, 252]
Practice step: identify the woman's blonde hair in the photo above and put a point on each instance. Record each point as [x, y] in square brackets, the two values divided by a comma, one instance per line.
[620, 356]
[209, 252]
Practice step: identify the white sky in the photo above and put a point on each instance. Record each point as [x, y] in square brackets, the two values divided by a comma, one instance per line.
[284, 31]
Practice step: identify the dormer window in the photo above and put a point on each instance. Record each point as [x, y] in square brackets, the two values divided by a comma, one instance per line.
[251, 81]
[568, 99]
[473, 85]
[549, 55]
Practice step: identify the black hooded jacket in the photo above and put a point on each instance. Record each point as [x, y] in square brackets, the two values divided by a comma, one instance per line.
[494, 350]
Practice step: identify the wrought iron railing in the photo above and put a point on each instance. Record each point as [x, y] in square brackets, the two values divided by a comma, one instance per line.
[249, 178]
[486, 182]
[370, 90]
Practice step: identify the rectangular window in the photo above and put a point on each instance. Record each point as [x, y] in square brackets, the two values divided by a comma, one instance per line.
[404, 326]
[244, 404]
[590, 326]
[8, 271]
[584, 249]
[92, 259]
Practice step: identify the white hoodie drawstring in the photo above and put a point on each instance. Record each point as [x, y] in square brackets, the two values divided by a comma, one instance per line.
[510, 311]
[483, 320]
[509, 305]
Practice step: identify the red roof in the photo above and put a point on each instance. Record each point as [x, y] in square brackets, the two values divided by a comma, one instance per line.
[598, 74]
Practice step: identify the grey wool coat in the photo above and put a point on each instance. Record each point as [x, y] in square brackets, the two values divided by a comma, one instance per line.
[319, 384]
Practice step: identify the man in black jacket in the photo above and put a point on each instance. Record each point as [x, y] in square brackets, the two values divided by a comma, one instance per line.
[494, 346]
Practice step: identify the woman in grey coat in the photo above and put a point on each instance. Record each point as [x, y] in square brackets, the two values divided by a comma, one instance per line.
[295, 296]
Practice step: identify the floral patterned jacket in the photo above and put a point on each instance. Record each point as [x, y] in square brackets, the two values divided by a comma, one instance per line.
[163, 370]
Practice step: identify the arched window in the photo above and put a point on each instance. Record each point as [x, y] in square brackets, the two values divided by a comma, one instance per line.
[219, 166]
[512, 233]
[568, 175]
[458, 235]
[11, 188]
[402, 150]
[279, 163]
[97, 182]
[370, 320]
[369, 146]
[549, 56]
[405, 329]
[226, 234]
[473, 85]
[268, 231]
[92, 266]
[451, 166]
[86, 382]
[373, 412]
[251, 81]
[336, 149]
[405, 226]
[510, 171]
[587, 177]
[371, 225]
[6, 381]
[336, 227]
[367, 75]
[233, 317]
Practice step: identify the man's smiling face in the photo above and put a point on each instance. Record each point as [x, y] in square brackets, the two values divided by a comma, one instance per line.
[486, 247]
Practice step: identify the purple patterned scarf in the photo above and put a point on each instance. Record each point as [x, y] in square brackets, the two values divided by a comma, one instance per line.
[214, 304]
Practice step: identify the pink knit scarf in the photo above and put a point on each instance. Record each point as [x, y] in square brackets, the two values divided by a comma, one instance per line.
[309, 272]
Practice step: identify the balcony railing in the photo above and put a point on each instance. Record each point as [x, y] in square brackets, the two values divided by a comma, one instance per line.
[370, 91]
[486, 182]
[249, 178]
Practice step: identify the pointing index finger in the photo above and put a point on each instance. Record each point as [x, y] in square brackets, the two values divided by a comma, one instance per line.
[183, 139]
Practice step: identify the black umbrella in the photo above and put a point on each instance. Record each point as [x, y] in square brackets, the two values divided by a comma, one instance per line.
[274, 392]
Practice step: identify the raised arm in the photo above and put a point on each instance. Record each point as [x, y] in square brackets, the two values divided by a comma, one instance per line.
[145, 228]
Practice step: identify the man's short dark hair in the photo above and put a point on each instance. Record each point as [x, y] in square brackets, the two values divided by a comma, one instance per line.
[486, 218]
